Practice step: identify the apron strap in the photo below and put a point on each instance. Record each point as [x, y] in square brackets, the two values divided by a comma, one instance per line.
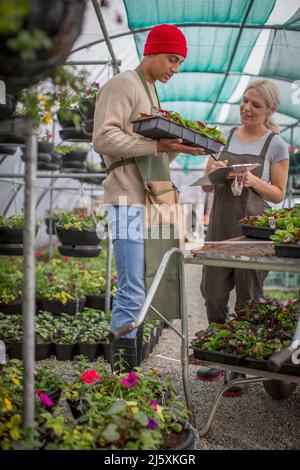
[141, 75]
[115, 165]
[229, 137]
[266, 145]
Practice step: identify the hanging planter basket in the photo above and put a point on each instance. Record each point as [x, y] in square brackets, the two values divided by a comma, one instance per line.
[80, 251]
[87, 108]
[62, 23]
[78, 237]
[7, 149]
[88, 126]
[74, 157]
[13, 235]
[68, 117]
[7, 249]
[8, 108]
[56, 307]
[73, 135]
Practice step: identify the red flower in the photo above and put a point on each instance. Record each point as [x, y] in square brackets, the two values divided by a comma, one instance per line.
[89, 376]
[66, 258]
[38, 253]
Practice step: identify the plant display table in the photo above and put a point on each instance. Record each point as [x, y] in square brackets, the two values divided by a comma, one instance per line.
[243, 253]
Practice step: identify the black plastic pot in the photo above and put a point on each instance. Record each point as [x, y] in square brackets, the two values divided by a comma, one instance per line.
[62, 25]
[56, 307]
[11, 249]
[262, 233]
[107, 352]
[65, 352]
[287, 250]
[87, 108]
[77, 237]
[91, 350]
[15, 350]
[12, 140]
[73, 135]
[41, 158]
[8, 108]
[68, 118]
[7, 149]
[73, 405]
[87, 126]
[47, 222]
[48, 167]
[74, 164]
[80, 251]
[13, 236]
[97, 301]
[43, 351]
[13, 308]
[181, 441]
[145, 350]
[75, 156]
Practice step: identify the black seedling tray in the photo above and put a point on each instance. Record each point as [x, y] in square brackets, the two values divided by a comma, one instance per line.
[160, 128]
[252, 231]
[242, 361]
[215, 356]
[289, 250]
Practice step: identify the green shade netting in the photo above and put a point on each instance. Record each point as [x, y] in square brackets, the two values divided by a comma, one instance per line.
[294, 21]
[282, 56]
[210, 49]
[189, 11]
[197, 87]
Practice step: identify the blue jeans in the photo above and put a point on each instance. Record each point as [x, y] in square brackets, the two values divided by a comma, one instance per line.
[126, 227]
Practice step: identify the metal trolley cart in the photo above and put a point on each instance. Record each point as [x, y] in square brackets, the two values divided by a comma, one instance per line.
[239, 253]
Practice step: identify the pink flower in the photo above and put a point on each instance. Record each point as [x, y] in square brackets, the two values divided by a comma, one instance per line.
[84, 267]
[130, 380]
[291, 148]
[50, 277]
[44, 398]
[152, 424]
[89, 376]
[153, 404]
[114, 278]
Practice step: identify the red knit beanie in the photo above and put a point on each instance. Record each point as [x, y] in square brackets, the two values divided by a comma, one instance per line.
[165, 39]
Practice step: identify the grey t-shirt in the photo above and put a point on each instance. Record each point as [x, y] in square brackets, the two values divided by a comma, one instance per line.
[277, 151]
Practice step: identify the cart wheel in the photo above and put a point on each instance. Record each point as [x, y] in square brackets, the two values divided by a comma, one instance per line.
[278, 389]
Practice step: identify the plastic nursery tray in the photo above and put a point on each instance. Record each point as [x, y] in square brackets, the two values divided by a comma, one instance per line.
[252, 231]
[158, 127]
[289, 250]
[215, 356]
[242, 361]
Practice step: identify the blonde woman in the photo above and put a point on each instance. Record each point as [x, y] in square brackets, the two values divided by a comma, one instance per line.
[256, 140]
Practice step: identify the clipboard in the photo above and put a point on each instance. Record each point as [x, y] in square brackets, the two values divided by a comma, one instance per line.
[219, 176]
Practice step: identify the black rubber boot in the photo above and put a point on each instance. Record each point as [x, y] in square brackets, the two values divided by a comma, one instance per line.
[139, 343]
[128, 349]
[209, 374]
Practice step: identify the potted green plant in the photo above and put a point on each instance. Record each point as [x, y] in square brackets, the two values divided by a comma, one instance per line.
[11, 292]
[49, 382]
[12, 227]
[65, 341]
[78, 229]
[88, 100]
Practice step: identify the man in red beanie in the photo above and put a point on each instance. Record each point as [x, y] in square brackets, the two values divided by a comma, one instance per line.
[132, 161]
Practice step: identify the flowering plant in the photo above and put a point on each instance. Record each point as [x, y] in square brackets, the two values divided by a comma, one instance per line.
[91, 91]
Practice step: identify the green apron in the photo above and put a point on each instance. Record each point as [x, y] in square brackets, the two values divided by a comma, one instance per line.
[160, 225]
